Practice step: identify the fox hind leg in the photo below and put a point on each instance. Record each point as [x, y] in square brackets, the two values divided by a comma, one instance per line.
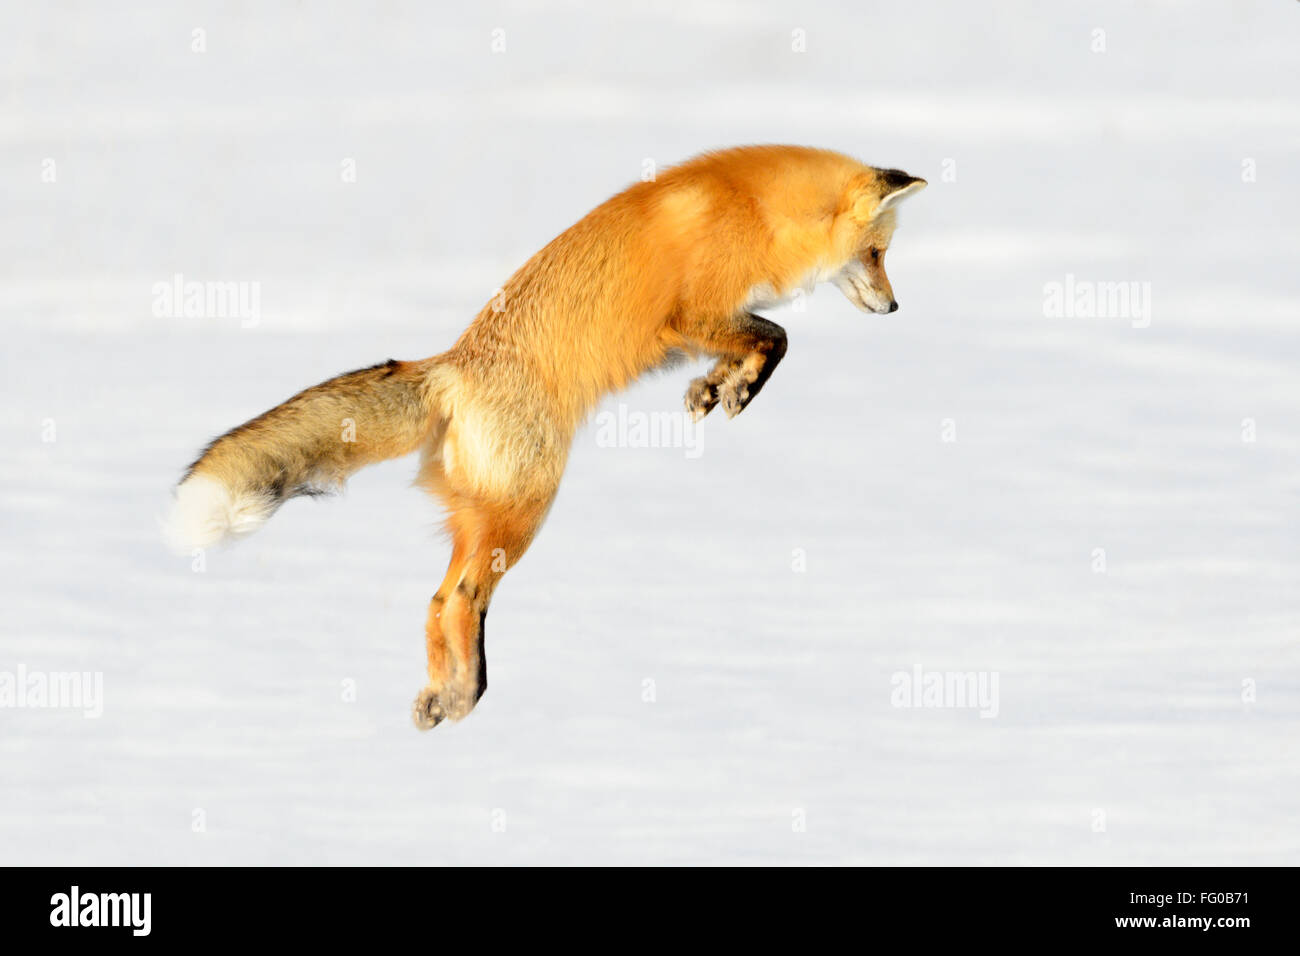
[429, 709]
[487, 539]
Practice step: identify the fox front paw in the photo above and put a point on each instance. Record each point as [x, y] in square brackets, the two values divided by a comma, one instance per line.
[734, 396]
[700, 398]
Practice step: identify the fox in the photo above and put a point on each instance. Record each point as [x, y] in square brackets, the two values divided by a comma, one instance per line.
[669, 269]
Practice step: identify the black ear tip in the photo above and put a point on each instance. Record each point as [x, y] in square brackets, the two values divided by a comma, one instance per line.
[897, 179]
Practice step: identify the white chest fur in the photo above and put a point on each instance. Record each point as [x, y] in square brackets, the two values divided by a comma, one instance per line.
[763, 296]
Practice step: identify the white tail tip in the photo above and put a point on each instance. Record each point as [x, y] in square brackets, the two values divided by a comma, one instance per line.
[206, 512]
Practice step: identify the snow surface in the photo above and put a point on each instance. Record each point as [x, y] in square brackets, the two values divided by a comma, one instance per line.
[1127, 730]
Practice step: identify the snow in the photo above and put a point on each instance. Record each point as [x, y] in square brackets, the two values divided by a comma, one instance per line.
[1146, 712]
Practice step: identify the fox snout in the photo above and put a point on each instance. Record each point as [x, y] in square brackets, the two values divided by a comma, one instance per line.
[864, 283]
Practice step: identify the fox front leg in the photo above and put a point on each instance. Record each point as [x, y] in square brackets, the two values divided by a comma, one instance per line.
[750, 349]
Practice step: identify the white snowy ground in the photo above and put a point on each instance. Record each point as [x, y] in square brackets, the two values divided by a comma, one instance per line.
[1121, 698]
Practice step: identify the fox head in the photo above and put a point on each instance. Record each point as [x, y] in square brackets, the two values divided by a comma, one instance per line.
[869, 220]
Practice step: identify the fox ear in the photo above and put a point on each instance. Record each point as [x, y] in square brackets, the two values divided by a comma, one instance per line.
[895, 186]
[874, 191]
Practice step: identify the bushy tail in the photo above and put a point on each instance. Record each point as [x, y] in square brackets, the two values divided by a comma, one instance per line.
[308, 445]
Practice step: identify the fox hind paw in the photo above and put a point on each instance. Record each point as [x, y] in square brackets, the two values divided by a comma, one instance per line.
[434, 705]
[427, 711]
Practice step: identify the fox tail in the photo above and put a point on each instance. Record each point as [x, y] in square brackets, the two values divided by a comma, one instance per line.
[308, 445]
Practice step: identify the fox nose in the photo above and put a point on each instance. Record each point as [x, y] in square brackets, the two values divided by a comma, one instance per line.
[893, 305]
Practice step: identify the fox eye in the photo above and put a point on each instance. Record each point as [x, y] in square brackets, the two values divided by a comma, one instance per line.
[875, 254]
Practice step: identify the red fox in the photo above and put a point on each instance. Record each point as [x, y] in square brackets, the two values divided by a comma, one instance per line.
[668, 267]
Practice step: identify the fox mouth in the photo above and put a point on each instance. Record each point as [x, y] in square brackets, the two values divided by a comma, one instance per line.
[858, 291]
